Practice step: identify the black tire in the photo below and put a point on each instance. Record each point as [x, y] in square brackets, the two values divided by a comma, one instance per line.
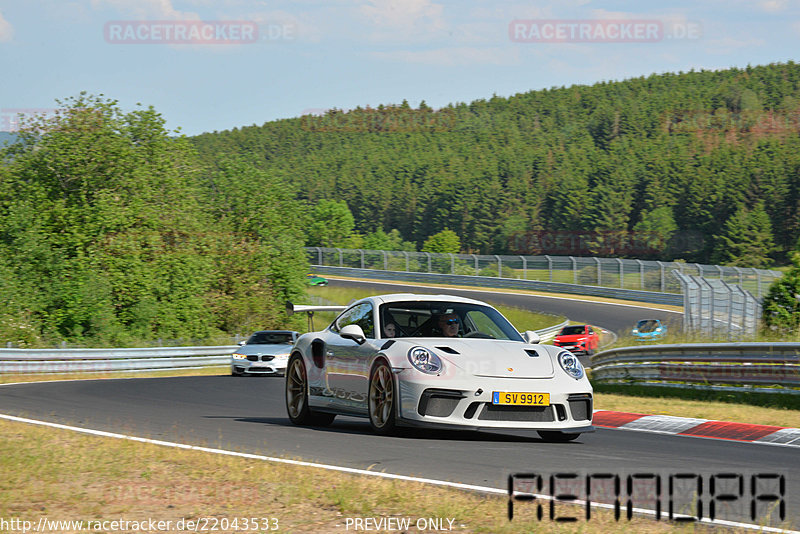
[297, 396]
[381, 399]
[556, 436]
[235, 373]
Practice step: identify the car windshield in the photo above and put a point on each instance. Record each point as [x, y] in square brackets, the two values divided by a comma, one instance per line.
[573, 330]
[444, 319]
[647, 325]
[270, 338]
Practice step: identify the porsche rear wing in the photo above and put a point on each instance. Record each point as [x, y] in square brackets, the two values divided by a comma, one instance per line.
[300, 308]
[291, 309]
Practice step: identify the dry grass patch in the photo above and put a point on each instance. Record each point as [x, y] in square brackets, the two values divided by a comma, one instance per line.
[44, 377]
[69, 476]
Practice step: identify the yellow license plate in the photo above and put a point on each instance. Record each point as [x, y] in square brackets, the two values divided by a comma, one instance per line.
[521, 399]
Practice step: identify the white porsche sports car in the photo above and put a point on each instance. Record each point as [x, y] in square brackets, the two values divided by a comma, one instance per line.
[435, 360]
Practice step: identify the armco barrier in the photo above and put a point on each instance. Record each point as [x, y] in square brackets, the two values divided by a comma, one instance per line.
[503, 283]
[546, 335]
[771, 367]
[19, 361]
[111, 360]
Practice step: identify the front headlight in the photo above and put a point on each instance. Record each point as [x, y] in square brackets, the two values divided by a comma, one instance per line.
[634, 331]
[424, 360]
[237, 356]
[571, 365]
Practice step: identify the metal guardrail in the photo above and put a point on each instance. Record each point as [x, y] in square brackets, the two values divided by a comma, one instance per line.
[546, 335]
[111, 360]
[504, 283]
[770, 367]
[20, 361]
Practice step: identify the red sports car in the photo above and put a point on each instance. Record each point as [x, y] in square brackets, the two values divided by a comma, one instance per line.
[578, 338]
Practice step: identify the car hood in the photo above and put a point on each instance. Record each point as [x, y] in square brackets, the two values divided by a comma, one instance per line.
[494, 358]
[264, 350]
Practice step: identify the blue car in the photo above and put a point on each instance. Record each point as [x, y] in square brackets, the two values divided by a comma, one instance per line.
[649, 330]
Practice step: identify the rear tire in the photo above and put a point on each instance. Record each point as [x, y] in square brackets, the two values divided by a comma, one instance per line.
[556, 436]
[297, 396]
[381, 401]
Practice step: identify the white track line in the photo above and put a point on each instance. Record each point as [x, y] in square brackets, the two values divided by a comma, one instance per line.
[351, 470]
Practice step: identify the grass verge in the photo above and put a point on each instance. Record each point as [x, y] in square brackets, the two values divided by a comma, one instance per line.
[65, 476]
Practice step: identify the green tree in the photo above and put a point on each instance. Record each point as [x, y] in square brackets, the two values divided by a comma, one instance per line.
[781, 305]
[446, 241]
[746, 240]
[332, 223]
[106, 230]
[654, 231]
[380, 240]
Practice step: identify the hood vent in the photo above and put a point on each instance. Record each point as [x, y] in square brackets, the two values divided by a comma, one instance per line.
[448, 350]
[532, 353]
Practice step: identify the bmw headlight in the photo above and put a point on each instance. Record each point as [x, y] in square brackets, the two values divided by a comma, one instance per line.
[571, 365]
[237, 356]
[424, 360]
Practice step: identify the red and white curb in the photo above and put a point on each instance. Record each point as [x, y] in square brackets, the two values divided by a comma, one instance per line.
[699, 428]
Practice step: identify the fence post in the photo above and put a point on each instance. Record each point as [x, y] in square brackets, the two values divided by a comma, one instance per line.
[641, 274]
[406, 255]
[452, 263]
[758, 277]
[385, 260]
[741, 278]
[319, 253]
[549, 267]
[730, 310]
[621, 274]
[428, 254]
[499, 266]
[341, 259]
[663, 277]
[476, 264]
[524, 268]
[574, 270]
[362, 257]
[599, 272]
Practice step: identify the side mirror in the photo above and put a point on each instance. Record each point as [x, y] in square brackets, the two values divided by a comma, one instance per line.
[354, 332]
[531, 337]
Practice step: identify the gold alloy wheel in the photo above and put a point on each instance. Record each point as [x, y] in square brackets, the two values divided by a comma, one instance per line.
[296, 388]
[381, 396]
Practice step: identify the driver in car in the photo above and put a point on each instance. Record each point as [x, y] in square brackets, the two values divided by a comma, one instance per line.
[448, 324]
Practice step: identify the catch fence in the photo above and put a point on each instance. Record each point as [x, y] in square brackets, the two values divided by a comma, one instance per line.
[715, 309]
[642, 275]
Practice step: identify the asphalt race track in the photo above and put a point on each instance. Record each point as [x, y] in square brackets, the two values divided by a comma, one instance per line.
[248, 415]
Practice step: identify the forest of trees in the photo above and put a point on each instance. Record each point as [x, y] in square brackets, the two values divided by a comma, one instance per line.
[114, 230]
[701, 166]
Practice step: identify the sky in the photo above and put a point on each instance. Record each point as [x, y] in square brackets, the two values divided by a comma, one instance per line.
[214, 65]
